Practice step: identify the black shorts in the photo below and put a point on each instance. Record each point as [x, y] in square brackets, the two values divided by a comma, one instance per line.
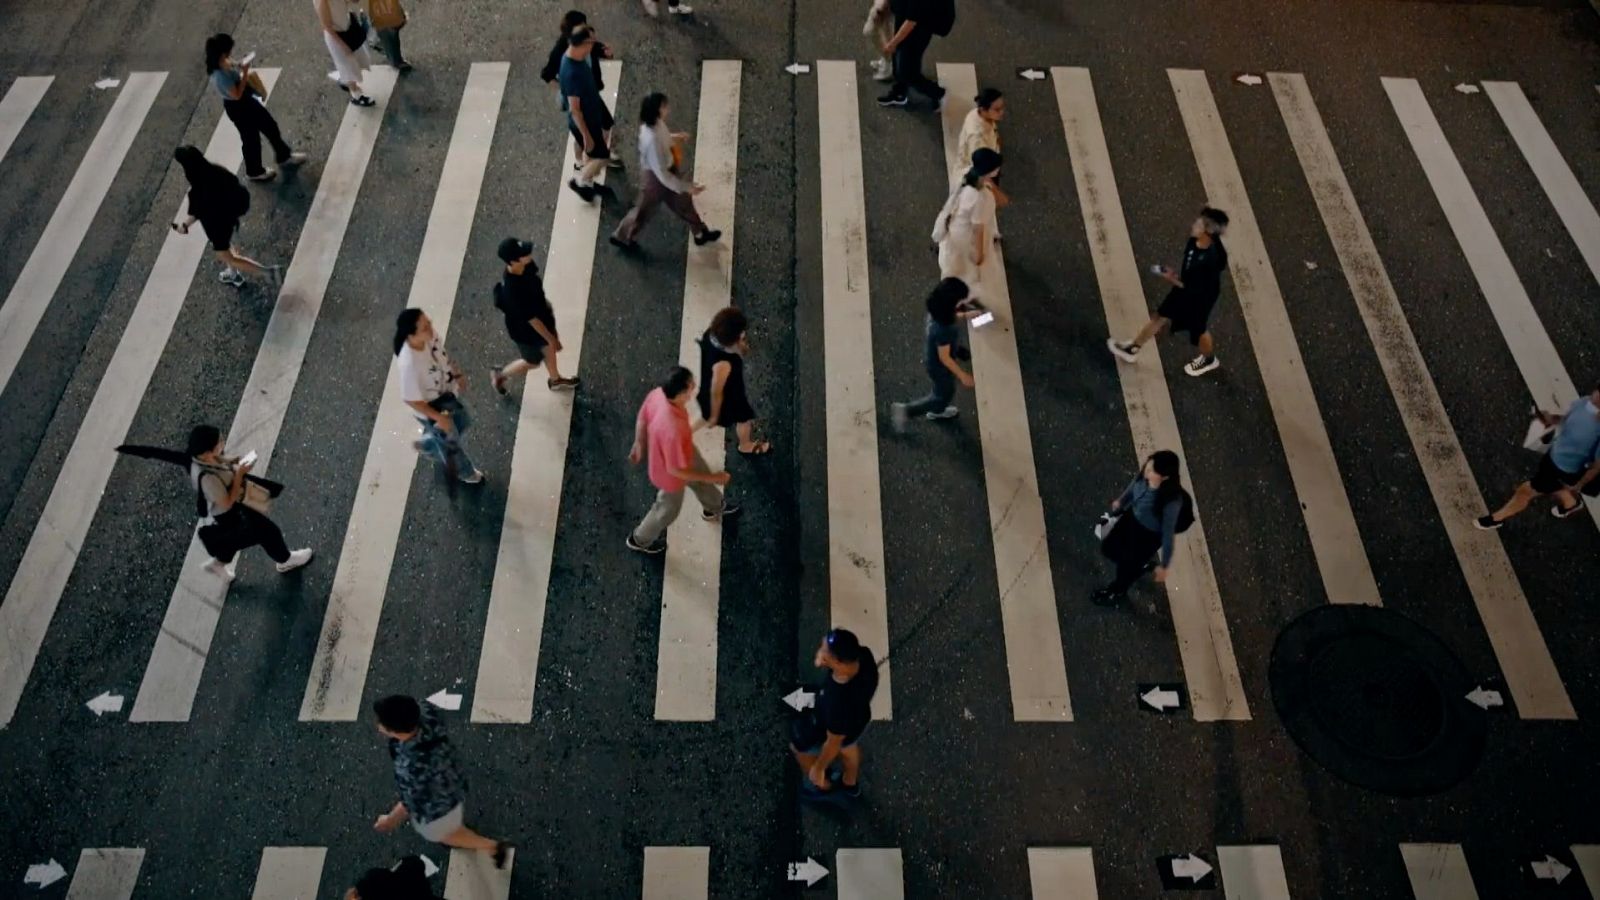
[219, 231]
[1549, 478]
[1187, 312]
[531, 353]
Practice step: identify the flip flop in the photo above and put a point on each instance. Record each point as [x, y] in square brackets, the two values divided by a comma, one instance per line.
[761, 448]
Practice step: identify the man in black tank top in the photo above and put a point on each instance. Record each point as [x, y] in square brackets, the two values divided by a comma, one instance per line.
[840, 714]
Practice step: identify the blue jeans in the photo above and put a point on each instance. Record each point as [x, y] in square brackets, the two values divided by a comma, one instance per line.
[442, 447]
[944, 390]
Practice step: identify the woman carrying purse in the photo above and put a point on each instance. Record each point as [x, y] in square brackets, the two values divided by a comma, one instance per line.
[231, 502]
[347, 44]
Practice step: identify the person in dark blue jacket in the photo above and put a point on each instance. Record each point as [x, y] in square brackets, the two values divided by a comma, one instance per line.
[1149, 514]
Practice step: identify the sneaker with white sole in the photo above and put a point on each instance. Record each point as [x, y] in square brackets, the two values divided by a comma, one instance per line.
[1487, 523]
[473, 477]
[1561, 513]
[882, 70]
[651, 9]
[949, 412]
[234, 279]
[660, 545]
[682, 9]
[1127, 351]
[223, 570]
[1200, 365]
[294, 159]
[296, 559]
[729, 509]
[264, 175]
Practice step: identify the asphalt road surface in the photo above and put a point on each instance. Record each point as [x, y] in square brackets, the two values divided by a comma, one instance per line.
[1415, 261]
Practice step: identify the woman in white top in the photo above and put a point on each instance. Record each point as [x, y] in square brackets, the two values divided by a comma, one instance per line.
[660, 155]
[965, 229]
[981, 130]
[348, 62]
[220, 482]
[430, 383]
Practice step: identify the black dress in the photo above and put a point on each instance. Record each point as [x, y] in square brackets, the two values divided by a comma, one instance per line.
[735, 403]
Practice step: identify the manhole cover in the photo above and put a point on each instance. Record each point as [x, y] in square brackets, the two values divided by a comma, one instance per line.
[1377, 700]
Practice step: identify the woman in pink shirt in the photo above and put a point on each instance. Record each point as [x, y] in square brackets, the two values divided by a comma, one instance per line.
[662, 435]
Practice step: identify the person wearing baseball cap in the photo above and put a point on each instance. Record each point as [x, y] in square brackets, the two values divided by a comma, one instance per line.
[530, 320]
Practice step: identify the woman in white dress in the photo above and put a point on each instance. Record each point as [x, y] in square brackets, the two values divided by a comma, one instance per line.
[981, 129]
[348, 63]
[965, 229]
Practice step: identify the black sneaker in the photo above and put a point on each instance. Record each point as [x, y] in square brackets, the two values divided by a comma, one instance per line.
[1487, 523]
[1127, 351]
[729, 508]
[660, 546]
[1105, 597]
[892, 99]
[621, 244]
[582, 190]
[706, 237]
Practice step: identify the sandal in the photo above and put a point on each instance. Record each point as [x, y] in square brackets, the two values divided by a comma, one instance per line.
[758, 448]
[363, 100]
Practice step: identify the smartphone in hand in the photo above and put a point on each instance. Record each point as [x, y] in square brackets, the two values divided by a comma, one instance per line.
[248, 58]
[1158, 270]
[249, 459]
[980, 321]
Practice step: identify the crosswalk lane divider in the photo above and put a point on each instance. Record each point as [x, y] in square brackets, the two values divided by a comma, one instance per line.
[18, 105]
[1588, 859]
[57, 247]
[1252, 872]
[1061, 873]
[167, 690]
[1518, 644]
[857, 594]
[875, 873]
[1211, 671]
[471, 874]
[686, 656]
[1330, 523]
[509, 664]
[52, 552]
[289, 873]
[1536, 357]
[677, 873]
[1438, 872]
[355, 603]
[107, 873]
[1029, 617]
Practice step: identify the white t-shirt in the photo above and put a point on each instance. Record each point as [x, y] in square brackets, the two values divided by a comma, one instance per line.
[974, 207]
[425, 373]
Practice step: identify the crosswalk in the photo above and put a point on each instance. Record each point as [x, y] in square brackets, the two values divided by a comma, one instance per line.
[1030, 597]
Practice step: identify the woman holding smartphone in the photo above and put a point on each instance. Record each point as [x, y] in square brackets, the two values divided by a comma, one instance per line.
[220, 484]
[948, 306]
[243, 106]
[218, 201]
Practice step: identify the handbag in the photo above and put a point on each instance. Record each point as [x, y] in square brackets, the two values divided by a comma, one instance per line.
[256, 496]
[1106, 522]
[255, 85]
[941, 225]
[354, 34]
[386, 14]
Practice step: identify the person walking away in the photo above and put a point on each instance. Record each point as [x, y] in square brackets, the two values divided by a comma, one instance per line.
[588, 119]
[430, 384]
[661, 435]
[879, 30]
[432, 791]
[347, 45]
[405, 880]
[551, 72]
[1195, 288]
[965, 228]
[916, 22]
[1149, 514]
[224, 496]
[1568, 468]
[722, 396]
[840, 714]
[387, 17]
[980, 130]
[530, 320]
[241, 102]
[218, 201]
[658, 152]
[942, 353]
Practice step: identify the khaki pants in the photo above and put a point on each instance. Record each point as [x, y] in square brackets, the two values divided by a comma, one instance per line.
[668, 504]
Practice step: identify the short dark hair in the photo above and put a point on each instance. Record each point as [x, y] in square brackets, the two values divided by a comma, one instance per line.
[217, 46]
[677, 381]
[944, 297]
[1217, 218]
[581, 35]
[398, 713]
[728, 325]
[650, 108]
[844, 645]
[987, 97]
[571, 20]
[405, 325]
[203, 438]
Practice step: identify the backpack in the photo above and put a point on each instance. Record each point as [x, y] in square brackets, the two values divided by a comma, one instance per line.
[941, 16]
[1185, 512]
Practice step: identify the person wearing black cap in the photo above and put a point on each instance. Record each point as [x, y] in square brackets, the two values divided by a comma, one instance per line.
[1195, 288]
[839, 716]
[530, 321]
[406, 880]
[965, 228]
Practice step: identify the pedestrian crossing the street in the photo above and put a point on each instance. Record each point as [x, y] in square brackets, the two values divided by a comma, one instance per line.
[1035, 605]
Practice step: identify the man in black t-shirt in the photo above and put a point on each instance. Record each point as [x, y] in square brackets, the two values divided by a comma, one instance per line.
[1195, 287]
[840, 714]
[530, 321]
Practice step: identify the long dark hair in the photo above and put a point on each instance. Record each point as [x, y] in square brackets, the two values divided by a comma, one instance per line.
[650, 108]
[204, 175]
[1165, 464]
[943, 298]
[217, 46]
[984, 162]
[405, 325]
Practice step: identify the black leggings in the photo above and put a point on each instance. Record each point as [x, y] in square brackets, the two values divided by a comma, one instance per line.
[256, 530]
[1129, 545]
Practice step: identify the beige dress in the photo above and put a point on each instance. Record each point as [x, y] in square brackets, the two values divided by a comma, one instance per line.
[347, 63]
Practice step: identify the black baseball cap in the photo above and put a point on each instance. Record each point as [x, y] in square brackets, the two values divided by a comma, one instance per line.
[513, 249]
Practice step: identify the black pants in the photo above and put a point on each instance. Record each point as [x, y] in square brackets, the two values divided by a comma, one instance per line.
[1129, 545]
[256, 529]
[908, 66]
[254, 123]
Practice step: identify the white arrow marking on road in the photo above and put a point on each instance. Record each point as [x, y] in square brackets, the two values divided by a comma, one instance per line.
[1032, 74]
[428, 866]
[1485, 698]
[44, 874]
[106, 84]
[1467, 88]
[1550, 868]
[797, 68]
[1191, 867]
[809, 871]
[1249, 79]
[800, 699]
[445, 700]
[106, 702]
[1310, 266]
[1160, 698]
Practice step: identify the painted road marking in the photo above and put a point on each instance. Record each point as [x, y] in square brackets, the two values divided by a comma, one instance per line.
[1536, 357]
[1253, 872]
[679, 873]
[1028, 615]
[166, 694]
[1216, 692]
[686, 657]
[1062, 873]
[855, 510]
[875, 874]
[1438, 872]
[472, 875]
[1588, 857]
[58, 245]
[1518, 645]
[289, 873]
[18, 105]
[106, 874]
[515, 625]
[1330, 524]
[52, 551]
[355, 604]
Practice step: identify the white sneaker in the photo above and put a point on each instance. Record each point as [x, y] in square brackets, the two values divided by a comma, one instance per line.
[221, 570]
[682, 9]
[949, 412]
[882, 70]
[296, 559]
[473, 477]
[1127, 351]
[232, 277]
[651, 9]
